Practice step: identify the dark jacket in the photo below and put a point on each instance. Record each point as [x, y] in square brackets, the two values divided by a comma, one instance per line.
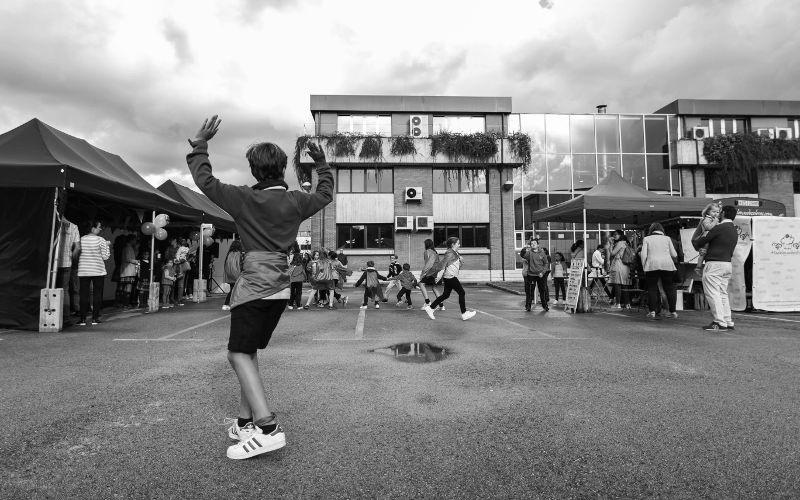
[722, 240]
[394, 270]
[370, 278]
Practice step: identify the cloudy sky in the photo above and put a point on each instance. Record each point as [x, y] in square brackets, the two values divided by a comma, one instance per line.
[137, 78]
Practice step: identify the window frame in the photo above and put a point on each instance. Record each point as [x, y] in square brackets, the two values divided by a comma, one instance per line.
[380, 172]
[459, 229]
[364, 121]
[460, 182]
[366, 228]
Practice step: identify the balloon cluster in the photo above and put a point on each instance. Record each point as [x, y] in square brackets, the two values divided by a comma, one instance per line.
[156, 228]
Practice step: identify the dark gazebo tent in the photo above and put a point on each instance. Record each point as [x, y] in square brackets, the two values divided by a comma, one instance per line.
[616, 201]
[39, 165]
[211, 212]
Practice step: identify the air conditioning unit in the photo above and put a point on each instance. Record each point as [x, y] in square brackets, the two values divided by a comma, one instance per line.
[418, 126]
[699, 133]
[403, 223]
[413, 194]
[424, 223]
[766, 132]
[783, 133]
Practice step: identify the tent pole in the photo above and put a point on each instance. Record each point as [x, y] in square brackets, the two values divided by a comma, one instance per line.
[200, 267]
[585, 263]
[53, 243]
[152, 251]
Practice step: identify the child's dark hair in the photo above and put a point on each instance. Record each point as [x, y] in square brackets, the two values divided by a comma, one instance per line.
[267, 161]
[429, 244]
[559, 256]
[451, 241]
[297, 259]
[332, 254]
[236, 246]
[370, 263]
[406, 267]
[576, 245]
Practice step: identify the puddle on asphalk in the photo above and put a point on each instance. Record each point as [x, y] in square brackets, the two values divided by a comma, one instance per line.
[414, 352]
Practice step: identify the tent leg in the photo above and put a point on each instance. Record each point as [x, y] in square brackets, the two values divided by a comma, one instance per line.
[586, 262]
[51, 282]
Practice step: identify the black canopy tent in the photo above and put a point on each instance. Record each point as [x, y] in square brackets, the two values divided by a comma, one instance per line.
[211, 212]
[616, 201]
[39, 165]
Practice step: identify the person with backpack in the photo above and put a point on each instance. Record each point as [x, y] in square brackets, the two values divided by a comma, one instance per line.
[297, 275]
[622, 257]
[370, 278]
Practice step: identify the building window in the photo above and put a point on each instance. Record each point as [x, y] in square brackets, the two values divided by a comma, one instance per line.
[365, 124]
[723, 126]
[717, 182]
[459, 124]
[364, 236]
[459, 180]
[471, 235]
[365, 180]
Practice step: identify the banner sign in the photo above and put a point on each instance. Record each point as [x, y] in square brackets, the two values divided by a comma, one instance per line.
[737, 292]
[776, 259]
[755, 206]
[574, 279]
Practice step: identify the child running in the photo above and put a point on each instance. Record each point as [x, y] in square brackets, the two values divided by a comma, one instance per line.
[710, 219]
[426, 276]
[267, 217]
[370, 279]
[451, 263]
[407, 283]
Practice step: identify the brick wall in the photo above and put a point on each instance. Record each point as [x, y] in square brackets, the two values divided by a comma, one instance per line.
[776, 184]
[699, 188]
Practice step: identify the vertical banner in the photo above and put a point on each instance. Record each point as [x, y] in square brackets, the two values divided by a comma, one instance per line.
[690, 255]
[574, 279]
[737, 292]
[776, 259]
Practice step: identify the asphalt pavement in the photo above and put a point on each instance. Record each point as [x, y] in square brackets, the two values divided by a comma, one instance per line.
[523, 405]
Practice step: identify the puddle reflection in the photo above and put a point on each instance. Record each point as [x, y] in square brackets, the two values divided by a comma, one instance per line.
[414, 352]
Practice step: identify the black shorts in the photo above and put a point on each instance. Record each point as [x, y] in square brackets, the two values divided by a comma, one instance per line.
[428, 280]
[252, 324]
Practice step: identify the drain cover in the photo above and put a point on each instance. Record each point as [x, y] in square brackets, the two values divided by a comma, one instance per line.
[414, 352]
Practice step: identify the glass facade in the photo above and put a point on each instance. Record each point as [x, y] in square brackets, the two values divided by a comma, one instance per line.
[572, 153]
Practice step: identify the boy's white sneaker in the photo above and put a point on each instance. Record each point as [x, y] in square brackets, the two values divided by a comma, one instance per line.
[441, 307]
[240, 433]
[467, 315]
[429, 312]
[363, 307]
[345, 300]
[257, 444]
[399, 303]
[377, 306]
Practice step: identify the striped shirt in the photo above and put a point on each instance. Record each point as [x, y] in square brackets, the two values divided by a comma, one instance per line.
[69, 236]
[94, 251]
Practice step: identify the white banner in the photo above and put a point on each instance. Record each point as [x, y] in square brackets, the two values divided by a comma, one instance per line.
[776, 263]
[737, 292]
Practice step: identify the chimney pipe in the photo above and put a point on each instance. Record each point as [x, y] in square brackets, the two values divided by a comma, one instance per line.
[601, 109]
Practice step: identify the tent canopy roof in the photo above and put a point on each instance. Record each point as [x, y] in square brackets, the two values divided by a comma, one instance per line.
[38, 155]
[616, 201]
[211, 211]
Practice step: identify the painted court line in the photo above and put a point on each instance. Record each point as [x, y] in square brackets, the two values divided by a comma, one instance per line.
[194, 327]
[553, 338]
[756, 316]
[517, 324]
[670, 321]
[159, 340]
[360, 324]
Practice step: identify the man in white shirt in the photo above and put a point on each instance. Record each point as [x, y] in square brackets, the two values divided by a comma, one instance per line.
[69, 241]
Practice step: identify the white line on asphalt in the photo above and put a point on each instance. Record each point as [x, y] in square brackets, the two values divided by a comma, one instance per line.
[553, 338]
[193, 327]
[360, 324]
[159, 340]
[757, 316]
[340, 340]
[671, 321]
[517, 324]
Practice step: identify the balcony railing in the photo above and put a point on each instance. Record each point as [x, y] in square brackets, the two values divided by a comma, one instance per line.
[503, 157]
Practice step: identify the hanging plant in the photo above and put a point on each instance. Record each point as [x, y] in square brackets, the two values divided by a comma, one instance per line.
[739, 155]
[339, 144]
[477, 147]
[403, 145]
[372, 148]
[303, 172]
[520, 145]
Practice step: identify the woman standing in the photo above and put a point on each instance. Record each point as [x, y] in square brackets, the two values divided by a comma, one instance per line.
[451, 263]
[425, 277]
[658, 258]
[619, 272]
[94, 251]
[538, 266]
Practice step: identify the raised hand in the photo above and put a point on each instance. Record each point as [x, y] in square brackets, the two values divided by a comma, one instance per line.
[208, 129]
[315, 152]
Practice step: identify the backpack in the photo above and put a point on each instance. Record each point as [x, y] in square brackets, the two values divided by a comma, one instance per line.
[628, 256]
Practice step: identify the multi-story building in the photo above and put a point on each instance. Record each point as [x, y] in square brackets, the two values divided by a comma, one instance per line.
[391, 203]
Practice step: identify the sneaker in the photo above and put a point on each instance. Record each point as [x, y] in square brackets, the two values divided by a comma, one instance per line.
[616, 306]
[226, 307]
[399, 303]
[429, 312]
[425, 306]
[545, 307]
[715, 327]
[305, 307]
[345, 300]
[331, 307]
[731, 328]
[410, 307]
[96, 321]
[363, 307]
[257, 444]
[651, 315]
[385, 300]
[290, 307]
[82, 322]
[377, 306]
[467, 315]
[674, 315]
[239, 433]
[441, 307]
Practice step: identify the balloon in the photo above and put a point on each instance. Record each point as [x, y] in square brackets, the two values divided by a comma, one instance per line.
[161, 220]
[208, 241]
[148, 228]
[195, 236]
[208, 231]
[161, 234]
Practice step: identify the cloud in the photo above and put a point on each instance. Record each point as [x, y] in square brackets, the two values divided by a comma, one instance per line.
[179, 40]
[546, 4]
[428, 71]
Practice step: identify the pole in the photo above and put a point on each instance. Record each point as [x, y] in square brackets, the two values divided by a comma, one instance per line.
[152, 250]
[585, 262]
[50, 273]
[502, 229]
[200, 267]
